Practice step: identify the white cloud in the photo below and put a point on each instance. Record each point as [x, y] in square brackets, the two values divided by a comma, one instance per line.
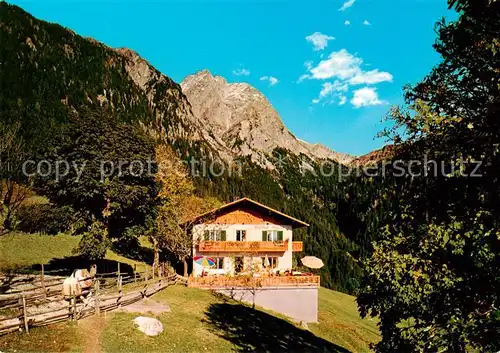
[366, 23]
[319, 40]
[345, 69]
[327, 88]
[272, 80]
[241, 72]
[347, 4]
[308, 64]
[371, 77]
[303, 77]
[315, 101]
[347, 23]
[339, 64]
[365, 97]
[334, 91]
[345, 66]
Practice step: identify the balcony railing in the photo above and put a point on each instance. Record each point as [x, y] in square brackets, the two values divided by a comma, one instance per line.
[297, 246]
[246, 281]
[248, 246]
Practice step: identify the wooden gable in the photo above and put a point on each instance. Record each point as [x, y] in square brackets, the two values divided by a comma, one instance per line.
[245, 211]
[244, 215]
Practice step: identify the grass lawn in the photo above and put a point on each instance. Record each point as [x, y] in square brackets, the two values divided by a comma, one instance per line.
[339, 322]
[63, 337]
[200, 321]
[20, 251]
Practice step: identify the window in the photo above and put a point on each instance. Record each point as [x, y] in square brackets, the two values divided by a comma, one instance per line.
[219, 263]
[241, 235]
[273, 262]
[215, 235]
[272, 235]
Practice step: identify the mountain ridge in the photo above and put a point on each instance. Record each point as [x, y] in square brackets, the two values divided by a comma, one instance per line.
[245, 120]
[53, 73]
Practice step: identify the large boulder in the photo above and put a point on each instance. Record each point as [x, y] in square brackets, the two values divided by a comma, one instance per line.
[148, 325]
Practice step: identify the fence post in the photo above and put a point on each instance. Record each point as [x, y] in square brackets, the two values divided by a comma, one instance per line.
[96, 301]
[93, 270]
[42, 279]
[25, 315]
[73, 302]
[118, 277]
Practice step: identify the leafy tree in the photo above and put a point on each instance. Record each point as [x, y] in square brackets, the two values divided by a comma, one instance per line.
[46, 218]
[104, 170]
[47, 83]
[94, 242]
[178, 204]
[13, 150]
[433, 277]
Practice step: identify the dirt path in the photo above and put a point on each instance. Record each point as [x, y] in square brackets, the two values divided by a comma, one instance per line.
[91, 329]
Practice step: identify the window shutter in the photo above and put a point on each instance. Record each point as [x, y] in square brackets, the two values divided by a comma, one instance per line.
[264, 235]
[223, 235]
[280, 235]
[207, 235]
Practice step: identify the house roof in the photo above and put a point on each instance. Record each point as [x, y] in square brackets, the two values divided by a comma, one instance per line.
[246, 201]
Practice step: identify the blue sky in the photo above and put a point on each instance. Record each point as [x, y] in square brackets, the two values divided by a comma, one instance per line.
[351, 71]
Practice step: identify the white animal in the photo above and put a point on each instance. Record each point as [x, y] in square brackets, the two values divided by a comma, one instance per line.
[71, 287]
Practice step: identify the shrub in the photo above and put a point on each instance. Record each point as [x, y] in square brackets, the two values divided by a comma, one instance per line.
[94, 243]
[45, 218]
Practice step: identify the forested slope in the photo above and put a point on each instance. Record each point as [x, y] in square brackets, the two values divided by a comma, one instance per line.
[49, 75]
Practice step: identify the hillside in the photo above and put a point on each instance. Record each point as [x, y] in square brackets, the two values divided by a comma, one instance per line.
[26, 252]
[52, 74]
[197, 320]
[55, 71]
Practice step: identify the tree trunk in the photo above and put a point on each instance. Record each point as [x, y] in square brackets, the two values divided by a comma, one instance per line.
[156, 260]
[185, 267]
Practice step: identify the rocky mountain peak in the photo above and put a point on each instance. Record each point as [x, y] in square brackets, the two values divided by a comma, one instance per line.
[241, 118]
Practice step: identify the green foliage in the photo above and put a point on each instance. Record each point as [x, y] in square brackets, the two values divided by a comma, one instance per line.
[433, 278]
[74, 99]
[46, 218]
[307, 195]
[94, 243]
[114, 179]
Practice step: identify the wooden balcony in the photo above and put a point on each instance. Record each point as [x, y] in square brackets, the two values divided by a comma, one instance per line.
[248, 246]
[246, 281]
[297, 246]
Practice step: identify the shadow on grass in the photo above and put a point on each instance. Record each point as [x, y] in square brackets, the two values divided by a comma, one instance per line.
[60, 267]
[253, 330]
[134, 251]
[66, 265]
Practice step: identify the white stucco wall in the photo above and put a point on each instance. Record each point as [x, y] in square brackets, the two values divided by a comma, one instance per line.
[253, 233]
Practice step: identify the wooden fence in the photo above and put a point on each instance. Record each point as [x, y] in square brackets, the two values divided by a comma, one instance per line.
[43, 303]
